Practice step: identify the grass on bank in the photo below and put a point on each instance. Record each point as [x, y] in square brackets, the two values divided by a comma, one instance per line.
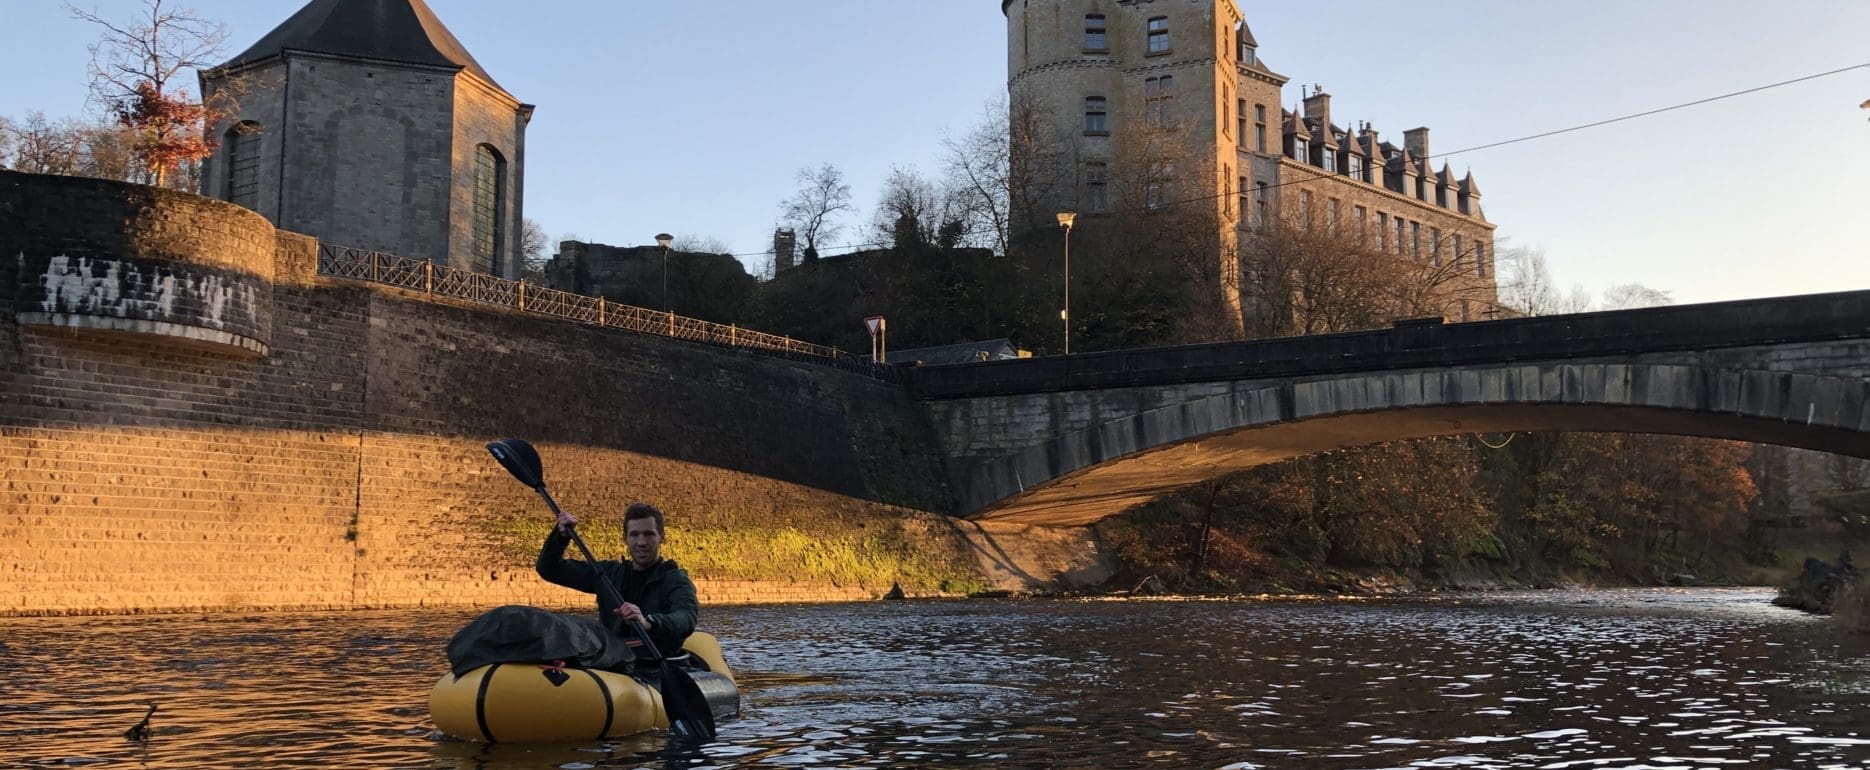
[919, 552]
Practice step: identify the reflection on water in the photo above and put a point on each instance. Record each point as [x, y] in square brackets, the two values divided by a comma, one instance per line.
[1586, 680]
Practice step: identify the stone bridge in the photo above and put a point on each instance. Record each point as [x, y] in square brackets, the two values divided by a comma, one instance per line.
[1070, 440]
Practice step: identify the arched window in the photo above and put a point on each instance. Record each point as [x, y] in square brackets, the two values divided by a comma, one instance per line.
[489, 208]
[243, 164]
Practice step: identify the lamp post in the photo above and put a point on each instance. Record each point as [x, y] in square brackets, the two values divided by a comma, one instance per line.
[664, 239]
[1065, 218]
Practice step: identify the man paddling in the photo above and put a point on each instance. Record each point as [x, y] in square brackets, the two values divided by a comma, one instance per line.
[656, 592]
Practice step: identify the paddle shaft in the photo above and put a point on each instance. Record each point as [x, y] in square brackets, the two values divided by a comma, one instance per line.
[610, 590]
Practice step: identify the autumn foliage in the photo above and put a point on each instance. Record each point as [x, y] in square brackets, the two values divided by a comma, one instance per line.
[169, 129]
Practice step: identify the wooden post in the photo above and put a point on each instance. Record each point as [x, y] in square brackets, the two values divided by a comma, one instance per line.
[600, 311]
[428, 275]
[522, 295]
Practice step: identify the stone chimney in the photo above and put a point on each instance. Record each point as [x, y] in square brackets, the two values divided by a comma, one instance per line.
[1416, 141]
[1318, 107]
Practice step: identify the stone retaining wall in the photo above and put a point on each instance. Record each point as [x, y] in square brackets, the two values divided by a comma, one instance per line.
[344, 467]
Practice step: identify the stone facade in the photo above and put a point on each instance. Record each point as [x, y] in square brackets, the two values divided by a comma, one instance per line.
[344, 467]
[369, 150]
[1137, 87]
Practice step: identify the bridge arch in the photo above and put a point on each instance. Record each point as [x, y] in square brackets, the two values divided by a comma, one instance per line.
[1076, 477]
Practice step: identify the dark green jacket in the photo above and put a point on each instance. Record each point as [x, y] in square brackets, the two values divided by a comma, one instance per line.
[663, 591]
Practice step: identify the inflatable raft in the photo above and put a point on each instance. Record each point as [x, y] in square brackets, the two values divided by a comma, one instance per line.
[537, 703]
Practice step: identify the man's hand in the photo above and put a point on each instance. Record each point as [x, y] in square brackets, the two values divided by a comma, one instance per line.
[630, 612]
[565, 522]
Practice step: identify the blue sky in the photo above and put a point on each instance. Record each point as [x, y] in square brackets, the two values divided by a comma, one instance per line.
[692, 117]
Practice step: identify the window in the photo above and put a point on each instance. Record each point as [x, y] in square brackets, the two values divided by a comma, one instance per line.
[1259, 203]
[1331, 158]
[1434, 246]
[1356, 165]
[243, 164]
[1246, 206]
[1227, 182]
[1259, 127]
[1301, 150]
[489, 202]
[1159, 34]
[1157, 92]
[1305, 207]
[1240, 124]
[1226, 96]
[1455, 261]
[1415, 239]
[1399, 236]
[1097, 188]
[1331, 216]
[1359, 213]
[1094, 116]
[1383, 232]
[1481, 268]
[1094, 33]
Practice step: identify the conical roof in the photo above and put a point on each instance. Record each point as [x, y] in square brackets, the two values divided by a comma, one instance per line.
[402, 31]
[1468, 184]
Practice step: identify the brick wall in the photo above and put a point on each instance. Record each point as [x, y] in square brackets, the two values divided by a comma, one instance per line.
[345, 467]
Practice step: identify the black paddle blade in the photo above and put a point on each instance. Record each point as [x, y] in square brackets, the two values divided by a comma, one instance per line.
[687, 709]
[519, 459]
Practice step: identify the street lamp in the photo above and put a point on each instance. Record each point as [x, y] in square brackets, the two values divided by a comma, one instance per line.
[1065, 218]
[665, 239]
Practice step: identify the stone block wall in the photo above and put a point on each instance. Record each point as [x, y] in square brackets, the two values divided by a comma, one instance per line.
[345, 468]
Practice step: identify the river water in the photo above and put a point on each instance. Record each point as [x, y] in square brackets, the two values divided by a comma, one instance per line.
[1588, 680]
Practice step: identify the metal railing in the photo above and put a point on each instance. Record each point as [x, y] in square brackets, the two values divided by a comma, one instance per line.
[427, 277]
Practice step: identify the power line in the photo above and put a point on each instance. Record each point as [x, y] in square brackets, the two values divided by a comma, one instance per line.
[1328, 174]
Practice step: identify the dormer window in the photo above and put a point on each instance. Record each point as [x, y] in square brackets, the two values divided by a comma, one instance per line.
[1159, 34]
[1357, 166]
[1247, 55]
[1094, 33]
[1330, 158]
[1301, 150]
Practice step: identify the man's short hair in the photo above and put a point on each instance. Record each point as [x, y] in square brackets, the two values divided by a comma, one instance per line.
[642, 511]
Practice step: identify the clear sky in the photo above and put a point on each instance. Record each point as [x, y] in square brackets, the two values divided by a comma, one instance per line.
[692, 117]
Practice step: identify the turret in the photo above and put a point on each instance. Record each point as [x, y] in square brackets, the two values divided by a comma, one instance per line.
[1470, 197]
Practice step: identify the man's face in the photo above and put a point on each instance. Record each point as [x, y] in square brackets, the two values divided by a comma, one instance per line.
[644, 541]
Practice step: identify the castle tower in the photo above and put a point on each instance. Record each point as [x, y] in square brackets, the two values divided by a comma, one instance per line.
[1152, 107]
[366, 123]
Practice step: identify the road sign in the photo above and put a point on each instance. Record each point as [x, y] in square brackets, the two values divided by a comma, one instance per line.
[874, 324]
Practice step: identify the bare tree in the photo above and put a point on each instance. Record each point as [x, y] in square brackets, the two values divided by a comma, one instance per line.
[1314, 279]
[695, 243]
[912, 210]
[135, 66]
[533, 243]
[812, 211]
[1527, 288]
[1635, 295]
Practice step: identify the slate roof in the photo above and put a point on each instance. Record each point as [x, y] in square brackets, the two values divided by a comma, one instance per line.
[401, 31]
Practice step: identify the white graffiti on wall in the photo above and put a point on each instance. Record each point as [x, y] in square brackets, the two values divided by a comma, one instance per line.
[112, 288]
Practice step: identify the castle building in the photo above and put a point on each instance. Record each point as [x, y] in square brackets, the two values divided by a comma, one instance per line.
[1176, 92]
[366, 124]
